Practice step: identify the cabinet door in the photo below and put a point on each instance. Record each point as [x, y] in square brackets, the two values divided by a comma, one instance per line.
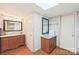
[45, 45]
[4, 44]
[16, 41]
[12, 42]
[52, 45]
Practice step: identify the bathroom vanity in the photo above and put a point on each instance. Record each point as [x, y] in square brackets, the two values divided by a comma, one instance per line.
[48, 43]
[8, 42]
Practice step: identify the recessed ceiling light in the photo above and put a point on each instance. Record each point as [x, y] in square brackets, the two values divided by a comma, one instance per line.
[46, 6]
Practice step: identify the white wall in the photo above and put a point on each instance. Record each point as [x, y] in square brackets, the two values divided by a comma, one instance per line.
[67, 39]
[14, 19]
[54, 28]
[77, 32]
[26, 18]
[32, 26]
[1, 21]
[13, 12]
[65, 29]
[28, 31]
[32, 29]
[37, 30]
[8, 17]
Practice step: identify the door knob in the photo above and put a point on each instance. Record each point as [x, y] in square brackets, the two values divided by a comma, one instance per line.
[73, 35]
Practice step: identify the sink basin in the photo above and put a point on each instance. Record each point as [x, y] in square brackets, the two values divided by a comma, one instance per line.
[48, 36]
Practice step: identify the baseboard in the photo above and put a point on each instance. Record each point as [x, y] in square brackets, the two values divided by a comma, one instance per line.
[57, 47]
[68, 50]
[36, 50]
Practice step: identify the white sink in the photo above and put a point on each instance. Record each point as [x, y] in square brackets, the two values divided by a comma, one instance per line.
[48, 36]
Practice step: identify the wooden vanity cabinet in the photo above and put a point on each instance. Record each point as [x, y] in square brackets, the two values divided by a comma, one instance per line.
[11, 42]
[21, 40]
[4, 44]
[48, 45]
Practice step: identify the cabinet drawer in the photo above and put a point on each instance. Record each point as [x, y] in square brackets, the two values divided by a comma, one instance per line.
[21, 40]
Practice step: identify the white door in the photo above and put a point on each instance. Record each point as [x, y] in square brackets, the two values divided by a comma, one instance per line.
[67, 33]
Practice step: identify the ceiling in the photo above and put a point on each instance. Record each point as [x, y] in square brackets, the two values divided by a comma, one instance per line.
[59, 9]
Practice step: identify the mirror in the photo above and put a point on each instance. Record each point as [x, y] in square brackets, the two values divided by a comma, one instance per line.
[45, 26]
[9, 25]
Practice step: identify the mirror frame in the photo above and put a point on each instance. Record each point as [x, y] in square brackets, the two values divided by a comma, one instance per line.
[11, 30]
[43, 25]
